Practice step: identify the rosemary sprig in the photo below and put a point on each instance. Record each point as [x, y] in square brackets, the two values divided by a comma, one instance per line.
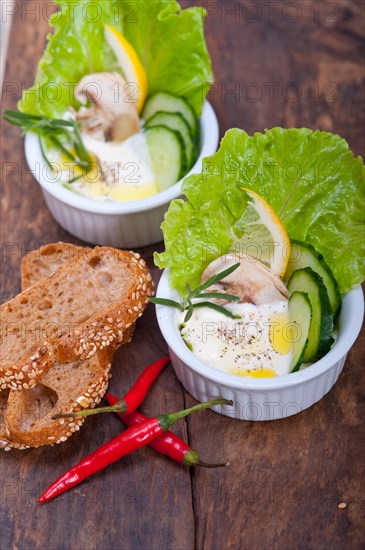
[198, 293]
[55, 129]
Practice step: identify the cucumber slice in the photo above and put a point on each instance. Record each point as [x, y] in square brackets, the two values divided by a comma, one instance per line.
[176, 122]
[304, 255]
[300, 311]
[167, 154]
[164, 101]
[320, 333]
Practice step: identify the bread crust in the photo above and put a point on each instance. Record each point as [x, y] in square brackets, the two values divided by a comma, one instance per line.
[28, 415]
[43, 262]
[19, 409]
[103, 328]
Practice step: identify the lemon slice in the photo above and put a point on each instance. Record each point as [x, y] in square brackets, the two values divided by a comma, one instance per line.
[264, 236]
[130, 64]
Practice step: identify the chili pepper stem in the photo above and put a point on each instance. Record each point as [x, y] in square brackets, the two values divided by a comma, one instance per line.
[167, 420]
[125, 443]
[119, 407]
[132, 399]
[191, 458]
[207, 465]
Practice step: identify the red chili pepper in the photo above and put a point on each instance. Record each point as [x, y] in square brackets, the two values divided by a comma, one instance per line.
[133, 438]
[133, 399]
[168, 443]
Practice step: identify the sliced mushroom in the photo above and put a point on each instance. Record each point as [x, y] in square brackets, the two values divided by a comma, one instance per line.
[112, 116]
[252, 281]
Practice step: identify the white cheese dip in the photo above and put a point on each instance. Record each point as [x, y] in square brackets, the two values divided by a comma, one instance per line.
[258, 344]
[121, 171]
[126, 169]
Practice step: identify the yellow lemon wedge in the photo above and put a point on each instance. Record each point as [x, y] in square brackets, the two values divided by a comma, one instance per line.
[130, 64]
[266, 226]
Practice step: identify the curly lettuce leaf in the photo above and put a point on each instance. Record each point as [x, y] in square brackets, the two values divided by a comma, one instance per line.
[76, 48]
[175, 54]
[310, 178]
[168, 40]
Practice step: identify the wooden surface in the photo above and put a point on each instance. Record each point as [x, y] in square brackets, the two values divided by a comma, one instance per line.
[5, 26]
[291, 64]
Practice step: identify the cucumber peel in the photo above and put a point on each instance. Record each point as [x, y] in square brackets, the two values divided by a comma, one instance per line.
[165, 101]
[167, 154]
[176, 122]
[300, 311]
[304, 255]
[320, 337]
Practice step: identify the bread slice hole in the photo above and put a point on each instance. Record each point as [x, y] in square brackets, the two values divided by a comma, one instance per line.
[45, 304]
[36, 404]
[4, 394]
[94, 261]
[48, 250]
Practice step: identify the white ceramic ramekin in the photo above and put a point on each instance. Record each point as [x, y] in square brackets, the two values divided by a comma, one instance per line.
[260, 399]
[123, 225]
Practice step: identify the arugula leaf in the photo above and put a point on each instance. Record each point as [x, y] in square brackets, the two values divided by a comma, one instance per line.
[310, 178]
[168, 40]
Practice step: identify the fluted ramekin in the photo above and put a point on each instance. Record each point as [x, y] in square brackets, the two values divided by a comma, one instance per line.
[120, 224]
[260, 399]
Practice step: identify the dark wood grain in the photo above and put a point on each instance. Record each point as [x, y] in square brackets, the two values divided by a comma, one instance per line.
[290, 64]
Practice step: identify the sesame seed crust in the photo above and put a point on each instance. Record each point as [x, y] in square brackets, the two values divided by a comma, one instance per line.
[102, 329]
[106, 329]
[71, 399]
[93, 341]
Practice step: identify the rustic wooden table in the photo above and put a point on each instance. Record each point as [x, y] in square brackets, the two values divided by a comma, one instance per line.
[275, 63]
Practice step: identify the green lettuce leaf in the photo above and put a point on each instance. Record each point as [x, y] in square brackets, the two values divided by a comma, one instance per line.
[168, 40]
[311, 179]
[175, 54]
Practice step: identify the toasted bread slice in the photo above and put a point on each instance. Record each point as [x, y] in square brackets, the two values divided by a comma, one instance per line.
[66, 387]
[26, 415]
[44, 261]
[3, 402]
[5, 442]
[55, 321]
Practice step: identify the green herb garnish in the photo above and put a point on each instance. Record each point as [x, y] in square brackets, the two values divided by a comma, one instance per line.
[188, 305]
[56, 131]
